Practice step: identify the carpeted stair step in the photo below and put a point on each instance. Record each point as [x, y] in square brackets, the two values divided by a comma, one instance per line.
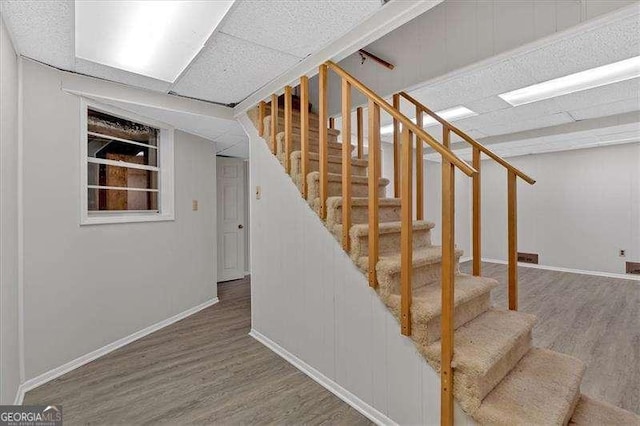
[388, 210]
[313, 117]
[471, 298]
[486, 349]
[388, 237]
[359, 185]
[295, 127]
[590, 412]
[335, 148]
[358, 166]
[427, 268]
[542, 389]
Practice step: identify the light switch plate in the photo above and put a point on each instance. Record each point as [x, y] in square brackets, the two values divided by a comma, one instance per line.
[258, 192]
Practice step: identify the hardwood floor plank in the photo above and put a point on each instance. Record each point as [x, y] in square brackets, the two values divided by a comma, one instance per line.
[204, 369]
[596, 319]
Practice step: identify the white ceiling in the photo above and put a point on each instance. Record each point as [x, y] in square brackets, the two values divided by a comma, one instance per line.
[478, 87]
[256, 41]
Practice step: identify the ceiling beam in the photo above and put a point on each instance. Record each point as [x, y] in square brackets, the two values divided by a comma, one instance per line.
[116, 92]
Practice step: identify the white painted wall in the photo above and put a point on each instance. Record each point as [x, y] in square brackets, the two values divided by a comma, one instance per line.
[584, 207]
[455, 34]
[309, 298]
[9, 341]
[88, 286]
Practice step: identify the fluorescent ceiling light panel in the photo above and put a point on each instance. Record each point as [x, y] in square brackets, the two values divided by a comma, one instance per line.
[451, 114]
[595, 77]
[157, 39]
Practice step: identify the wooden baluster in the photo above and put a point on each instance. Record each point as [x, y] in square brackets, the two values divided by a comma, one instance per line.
[288, 128]
[332, 123]
[304, 133]
[360, 132]
[261, 114]
[324, 136]
[406, 231]
[448, 263]
[513, 240]
[372, 170]
[419, 170]
[476, 221]
[396, 148]
[274, 122]
[346, 164]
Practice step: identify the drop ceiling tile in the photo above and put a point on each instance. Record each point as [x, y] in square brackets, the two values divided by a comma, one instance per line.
[600, 46]
[474, 85]
[600, 95]
[604, 110]
[298, 28]
[230, 69]
[83, 66]
[42, 30]
[527, 124]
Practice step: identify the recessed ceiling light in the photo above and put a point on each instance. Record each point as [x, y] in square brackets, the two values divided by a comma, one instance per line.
[153, 38]
[594, 77]
[451, 114]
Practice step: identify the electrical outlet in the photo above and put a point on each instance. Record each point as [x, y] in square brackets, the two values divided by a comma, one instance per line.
[194, 205]
[623, 252]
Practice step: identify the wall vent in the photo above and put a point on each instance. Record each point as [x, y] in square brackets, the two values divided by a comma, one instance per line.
[633, 267]
[528, 258]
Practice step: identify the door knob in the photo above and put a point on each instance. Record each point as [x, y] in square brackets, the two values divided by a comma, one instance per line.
[240, 226]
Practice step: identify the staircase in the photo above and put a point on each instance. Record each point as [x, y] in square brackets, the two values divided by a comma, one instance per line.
[498, 376]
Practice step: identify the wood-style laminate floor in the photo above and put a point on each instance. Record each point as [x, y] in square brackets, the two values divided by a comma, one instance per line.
[596, 319]
[204, 369]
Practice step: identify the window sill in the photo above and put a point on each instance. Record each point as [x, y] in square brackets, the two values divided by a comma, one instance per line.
[107, 219]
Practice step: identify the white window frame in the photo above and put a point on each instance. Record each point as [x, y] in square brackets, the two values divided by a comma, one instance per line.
[166, 184]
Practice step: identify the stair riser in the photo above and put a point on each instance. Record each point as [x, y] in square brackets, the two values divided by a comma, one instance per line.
[314, 166]
[427, 333]
[314, 138]
[334, 148]
[389, 242]
[389, 282]
[360, 214]
[335, 189]
[470, 390]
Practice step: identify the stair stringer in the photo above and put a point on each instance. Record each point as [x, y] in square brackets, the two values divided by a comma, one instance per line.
[310, 301]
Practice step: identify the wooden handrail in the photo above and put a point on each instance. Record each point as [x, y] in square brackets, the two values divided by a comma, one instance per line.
[469, 139]
[420, 133]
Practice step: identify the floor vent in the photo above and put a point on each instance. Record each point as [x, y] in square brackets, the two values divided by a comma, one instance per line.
[528, 258]
[633, 267]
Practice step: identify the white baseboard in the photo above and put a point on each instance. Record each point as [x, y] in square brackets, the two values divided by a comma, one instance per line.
[80, 361]
[362, 407]
[561, 269]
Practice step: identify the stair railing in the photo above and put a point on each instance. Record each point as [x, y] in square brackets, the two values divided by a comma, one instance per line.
[512, 174]
[403, 188]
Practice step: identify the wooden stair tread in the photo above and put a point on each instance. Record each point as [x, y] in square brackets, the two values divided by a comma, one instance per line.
[543, 388]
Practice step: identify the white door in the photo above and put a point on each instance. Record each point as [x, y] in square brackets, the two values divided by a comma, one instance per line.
[231, 214]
